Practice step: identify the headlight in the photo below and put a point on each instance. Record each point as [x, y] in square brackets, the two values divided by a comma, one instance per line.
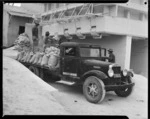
[110, 72]
[110, 66]
[125, 72]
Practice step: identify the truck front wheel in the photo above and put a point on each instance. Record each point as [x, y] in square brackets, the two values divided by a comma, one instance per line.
[125, 91]
[93, 89]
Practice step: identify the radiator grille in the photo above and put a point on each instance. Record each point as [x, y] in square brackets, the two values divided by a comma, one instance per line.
[117, 70]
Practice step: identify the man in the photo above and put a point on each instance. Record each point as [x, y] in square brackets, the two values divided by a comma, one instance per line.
[35, 35]
[47, 40]
[111, 57]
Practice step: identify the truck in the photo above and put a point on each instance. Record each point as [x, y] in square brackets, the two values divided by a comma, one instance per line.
[84, 63]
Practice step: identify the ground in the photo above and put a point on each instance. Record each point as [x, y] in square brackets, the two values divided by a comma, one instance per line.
[26, 94]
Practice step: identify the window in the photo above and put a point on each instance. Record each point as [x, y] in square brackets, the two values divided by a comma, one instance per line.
[57, 5]
[122, 12]
[70, 51]
[49, 6]
[135, 15]
[103, 52]
[89, 52]
[98, 8]
[21, 30]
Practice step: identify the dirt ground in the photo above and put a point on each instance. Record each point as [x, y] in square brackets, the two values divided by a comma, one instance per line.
[26, 94]
[134, 106]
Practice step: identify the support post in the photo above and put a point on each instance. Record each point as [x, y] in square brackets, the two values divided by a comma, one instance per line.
[127, 52]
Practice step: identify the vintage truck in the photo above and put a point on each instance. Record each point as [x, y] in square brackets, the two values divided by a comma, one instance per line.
[84, 64]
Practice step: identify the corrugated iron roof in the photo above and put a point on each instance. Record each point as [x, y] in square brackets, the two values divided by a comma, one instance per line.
[20, 14]
[18, 11]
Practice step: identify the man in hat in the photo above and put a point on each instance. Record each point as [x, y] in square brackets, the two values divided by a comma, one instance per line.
[35, 35]
[47, 40]
[111, 57]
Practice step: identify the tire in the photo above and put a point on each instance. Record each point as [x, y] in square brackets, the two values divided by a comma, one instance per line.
[34, 70]
[41, 74]
[126, 91]
[91, 82]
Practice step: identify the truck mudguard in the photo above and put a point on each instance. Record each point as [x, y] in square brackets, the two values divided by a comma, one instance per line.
[97, 73]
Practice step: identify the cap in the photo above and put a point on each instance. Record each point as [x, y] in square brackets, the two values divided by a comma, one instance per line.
[110, 50]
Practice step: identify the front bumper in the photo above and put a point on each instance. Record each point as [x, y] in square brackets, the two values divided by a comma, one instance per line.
[117, 87]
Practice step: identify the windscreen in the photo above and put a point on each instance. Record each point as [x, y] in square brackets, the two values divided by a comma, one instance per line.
[89, 52]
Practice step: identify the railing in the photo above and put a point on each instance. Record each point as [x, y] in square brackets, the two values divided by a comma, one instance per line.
[72, 13]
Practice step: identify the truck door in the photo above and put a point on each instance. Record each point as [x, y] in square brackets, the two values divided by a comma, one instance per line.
[70, 62]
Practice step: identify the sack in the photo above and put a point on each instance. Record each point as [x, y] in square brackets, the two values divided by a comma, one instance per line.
[25, 56]
[36, 58]
[32, 59]
[22, 59]
[53, 60]
[40, 60]
[17, 55]
[29, 56]
[44, 60]
[58, 64]
[21, 55]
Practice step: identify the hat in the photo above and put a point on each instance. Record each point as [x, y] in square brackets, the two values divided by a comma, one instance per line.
[47, 33]
[110, 50]
[36, 21]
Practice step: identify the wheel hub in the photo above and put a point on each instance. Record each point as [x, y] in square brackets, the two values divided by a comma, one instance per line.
[92, 90]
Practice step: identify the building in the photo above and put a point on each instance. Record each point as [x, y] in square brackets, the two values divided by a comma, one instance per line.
[121, 27]
[14, 20]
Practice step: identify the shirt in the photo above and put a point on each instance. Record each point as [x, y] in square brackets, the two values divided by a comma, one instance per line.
[47, 40]
[111, 58]
[35, 31]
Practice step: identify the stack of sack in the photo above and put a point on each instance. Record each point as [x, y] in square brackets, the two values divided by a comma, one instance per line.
[23, 55]
[22, 41]
[48, 58]
[51, 57]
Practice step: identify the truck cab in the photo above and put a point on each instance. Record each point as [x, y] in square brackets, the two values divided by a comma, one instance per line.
[77, 58]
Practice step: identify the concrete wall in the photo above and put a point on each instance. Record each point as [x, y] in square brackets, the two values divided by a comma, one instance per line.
[139, 57]
[106, 24]
[117, 43]
[5, 27]
[13, 28]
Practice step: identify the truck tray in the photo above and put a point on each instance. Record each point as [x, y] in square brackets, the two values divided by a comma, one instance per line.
[39, 66]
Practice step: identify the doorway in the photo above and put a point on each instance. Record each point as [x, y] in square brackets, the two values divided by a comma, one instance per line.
[139, 56]
[21, 30]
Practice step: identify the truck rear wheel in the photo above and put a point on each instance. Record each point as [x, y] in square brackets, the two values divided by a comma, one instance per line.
[34, 70]
[125, 91]
[93, 89]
